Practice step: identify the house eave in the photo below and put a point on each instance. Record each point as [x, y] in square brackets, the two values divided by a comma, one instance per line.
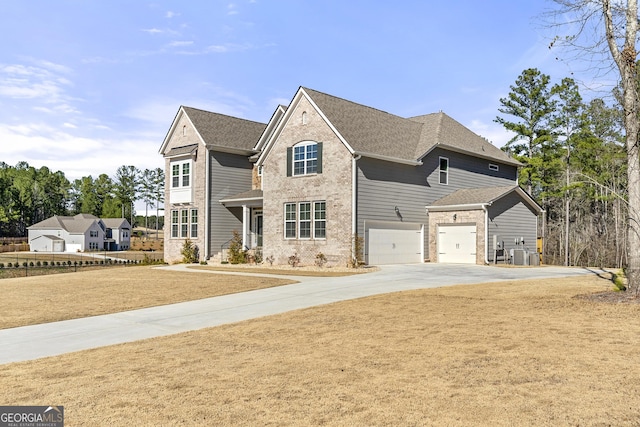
[388, 158]
[465, 207]
[230, 150]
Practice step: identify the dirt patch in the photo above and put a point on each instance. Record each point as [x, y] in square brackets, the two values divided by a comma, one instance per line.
[499, 354]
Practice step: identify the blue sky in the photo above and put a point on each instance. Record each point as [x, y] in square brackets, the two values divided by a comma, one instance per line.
[88, 85]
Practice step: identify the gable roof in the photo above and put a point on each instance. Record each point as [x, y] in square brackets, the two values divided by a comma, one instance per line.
[474, 198]
[218, 131]
[72, 224]
[116, 223]
[376, 133]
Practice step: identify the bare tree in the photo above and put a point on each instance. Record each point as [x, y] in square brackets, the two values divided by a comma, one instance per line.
[610, 27]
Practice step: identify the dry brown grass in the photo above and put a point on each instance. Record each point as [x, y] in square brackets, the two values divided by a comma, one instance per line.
[521, 353]
[41, 299]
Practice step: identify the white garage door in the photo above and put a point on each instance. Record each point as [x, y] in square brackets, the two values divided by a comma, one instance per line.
[394, 243]
[457, 244]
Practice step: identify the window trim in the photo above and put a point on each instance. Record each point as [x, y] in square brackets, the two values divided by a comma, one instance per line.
[443, 172]
[193, 225]
[181, 174]
[295, 224]
[291, 160]
[494, 167]
[175, 223]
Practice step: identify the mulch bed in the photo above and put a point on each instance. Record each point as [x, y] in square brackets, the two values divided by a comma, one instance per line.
[612, 297]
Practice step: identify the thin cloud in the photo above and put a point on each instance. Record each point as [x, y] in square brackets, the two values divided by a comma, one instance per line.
[152, 31]
[171, 14]
[181, 43]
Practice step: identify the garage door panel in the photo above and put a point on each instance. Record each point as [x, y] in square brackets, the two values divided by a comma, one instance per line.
[393, 246]
[457, 244]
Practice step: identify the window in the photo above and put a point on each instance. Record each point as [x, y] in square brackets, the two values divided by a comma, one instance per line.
[319, 220]
[194, 223]
[444, 170]
[304, 158]
[185, 174]
[290, 220]
[181, 174]
[93, 233]
[184, 222]
[175, 175]
[305, 220]
[493, 167]
[174, 223]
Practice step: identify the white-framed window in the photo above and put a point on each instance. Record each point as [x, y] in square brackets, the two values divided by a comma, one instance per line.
[305, 220]
[304, 158]
[174, 223]
[444, 171]
[194, 223]
[93, 233]
[184, 222]
[494, 167]
[290, 220]
[181, 174]
[319, 220]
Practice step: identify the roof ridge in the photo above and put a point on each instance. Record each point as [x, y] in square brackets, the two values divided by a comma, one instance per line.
[221, 114]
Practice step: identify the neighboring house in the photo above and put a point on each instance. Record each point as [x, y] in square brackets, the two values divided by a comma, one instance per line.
[324, 170]
[79, 233]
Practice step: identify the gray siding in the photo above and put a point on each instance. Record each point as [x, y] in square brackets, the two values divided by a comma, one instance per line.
[384, 185]
[230, 174]
[464, 172]
[510, 218]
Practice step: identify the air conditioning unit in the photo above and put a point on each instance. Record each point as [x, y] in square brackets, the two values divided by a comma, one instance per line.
[520, 257]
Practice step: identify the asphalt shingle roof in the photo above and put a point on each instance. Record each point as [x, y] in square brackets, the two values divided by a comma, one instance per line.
[474, 196]
[220, 130]
[371, 131]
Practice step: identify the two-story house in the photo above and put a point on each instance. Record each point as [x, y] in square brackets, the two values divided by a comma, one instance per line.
[327, 175]
[79, 233]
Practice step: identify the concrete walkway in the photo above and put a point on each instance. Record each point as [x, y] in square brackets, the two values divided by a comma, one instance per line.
[51, 339]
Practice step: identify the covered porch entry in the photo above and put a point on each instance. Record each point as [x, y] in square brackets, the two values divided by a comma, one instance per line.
[252, 221]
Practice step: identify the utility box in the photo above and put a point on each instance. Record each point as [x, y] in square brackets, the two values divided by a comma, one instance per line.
[534, 258]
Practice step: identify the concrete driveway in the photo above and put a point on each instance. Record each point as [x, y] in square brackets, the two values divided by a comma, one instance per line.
[50, 339]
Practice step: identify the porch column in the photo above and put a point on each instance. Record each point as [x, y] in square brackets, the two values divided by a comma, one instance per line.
[246, 221]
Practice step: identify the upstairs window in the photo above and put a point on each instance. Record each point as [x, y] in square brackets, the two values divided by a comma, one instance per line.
[181, 174]
[444, 171]
[304, 158]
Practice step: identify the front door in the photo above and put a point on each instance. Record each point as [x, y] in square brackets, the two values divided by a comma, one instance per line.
[257, 228]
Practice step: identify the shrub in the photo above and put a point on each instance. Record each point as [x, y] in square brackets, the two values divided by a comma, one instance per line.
[38, 263]
[189, 252]
[10, 265]
[358, 252]
[1, 264]
[45, 263]
[25, 264]
[619, 281]
[270, 259]
[321, 259]
[294, 260]
[236, 253]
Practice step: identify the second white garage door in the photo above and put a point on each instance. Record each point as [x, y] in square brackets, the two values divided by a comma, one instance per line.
[457, 244]
[393, 243]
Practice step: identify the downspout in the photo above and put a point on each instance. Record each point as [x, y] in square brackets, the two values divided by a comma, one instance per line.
[354, 203]
[485, 208]
[207, 201]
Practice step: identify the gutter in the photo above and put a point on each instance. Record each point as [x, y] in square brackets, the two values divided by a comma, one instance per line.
[359, 154]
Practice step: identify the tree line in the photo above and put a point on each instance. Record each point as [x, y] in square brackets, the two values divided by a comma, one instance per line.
[29, 195]
[574, 165]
